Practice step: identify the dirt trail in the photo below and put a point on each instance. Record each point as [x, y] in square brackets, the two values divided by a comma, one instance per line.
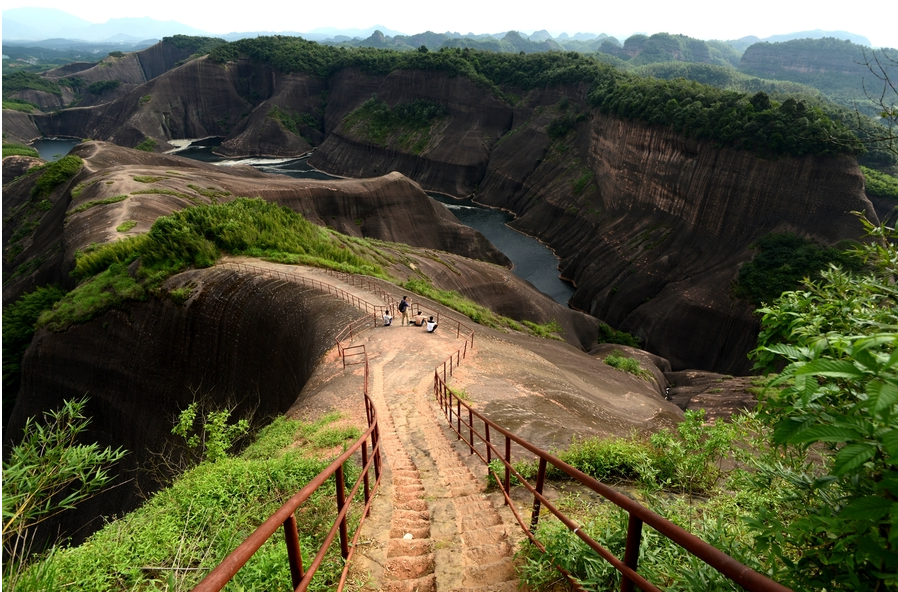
[432, 526]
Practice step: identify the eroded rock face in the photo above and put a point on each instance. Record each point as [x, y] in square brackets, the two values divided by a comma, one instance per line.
[656, 236]
[240, 341]
[651, 226]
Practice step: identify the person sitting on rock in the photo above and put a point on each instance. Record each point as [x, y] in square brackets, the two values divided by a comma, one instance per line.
[431, 325]
[418, 319]
[388, 318]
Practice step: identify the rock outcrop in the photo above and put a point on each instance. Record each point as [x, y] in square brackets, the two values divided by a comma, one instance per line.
[390, 208]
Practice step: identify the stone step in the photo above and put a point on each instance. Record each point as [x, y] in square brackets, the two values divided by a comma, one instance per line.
[427, 583]
[409, 547]
[489, 574]
[408, 568]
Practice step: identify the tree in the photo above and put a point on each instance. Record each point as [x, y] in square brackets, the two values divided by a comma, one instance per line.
[882, 65]
[835, 414]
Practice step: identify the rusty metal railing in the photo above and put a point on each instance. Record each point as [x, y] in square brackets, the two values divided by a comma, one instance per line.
[462, 418]
[285, 517]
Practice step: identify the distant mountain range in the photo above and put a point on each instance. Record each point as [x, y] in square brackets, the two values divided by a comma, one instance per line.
[33, 25]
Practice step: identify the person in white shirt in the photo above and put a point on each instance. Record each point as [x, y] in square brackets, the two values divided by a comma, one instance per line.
[388, 318]
[431, 325]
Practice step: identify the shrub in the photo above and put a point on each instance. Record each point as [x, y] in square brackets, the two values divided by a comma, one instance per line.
[53, 174]
[148, 145]
[782, 262]
[103, 86]
[10, 149]
[627, 364]
[609, 335]
[878, 184]
[23, 106]
[47, 473]
[126, 226]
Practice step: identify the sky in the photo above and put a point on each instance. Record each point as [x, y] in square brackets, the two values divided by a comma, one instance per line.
[703, 19]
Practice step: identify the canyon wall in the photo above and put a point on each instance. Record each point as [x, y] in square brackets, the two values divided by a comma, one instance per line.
[651, 225]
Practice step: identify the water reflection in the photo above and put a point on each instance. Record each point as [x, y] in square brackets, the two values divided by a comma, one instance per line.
[52, 149]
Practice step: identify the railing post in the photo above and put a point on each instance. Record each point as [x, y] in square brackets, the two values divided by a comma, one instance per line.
[465, 353]
[294, 554]
[458, 415]
[631, 553]
[365, 468]
[489, 450]
[471, 428]
[507, 469]
[540, 481]
[341, 501]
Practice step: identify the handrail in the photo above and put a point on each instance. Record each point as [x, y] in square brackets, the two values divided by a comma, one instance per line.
[286, 516]
[451, 404]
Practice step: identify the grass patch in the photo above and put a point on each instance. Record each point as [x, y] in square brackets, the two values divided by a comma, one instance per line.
[202, 517]
[23, 106]
[618, 360]
[54, 174]
[197, 237]
[126, 226]
[11, 149]
[93, 297]
[211, 192]
[97, 202]
[160, 191]
[148, 179]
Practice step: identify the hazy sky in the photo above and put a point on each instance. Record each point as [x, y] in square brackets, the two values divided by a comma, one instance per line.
[704, 19]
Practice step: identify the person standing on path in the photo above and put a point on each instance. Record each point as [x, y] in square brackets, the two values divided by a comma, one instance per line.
[403, 308]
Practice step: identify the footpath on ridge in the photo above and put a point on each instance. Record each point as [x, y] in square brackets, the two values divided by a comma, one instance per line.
[432, 526]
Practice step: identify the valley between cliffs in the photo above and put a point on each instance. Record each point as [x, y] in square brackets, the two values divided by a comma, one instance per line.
[651, 226]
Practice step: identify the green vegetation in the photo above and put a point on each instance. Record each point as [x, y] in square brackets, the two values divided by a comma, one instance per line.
[19, 320]
[145, 99]
[878, 184]
[294, 122]
[475, 312]
[609, 335]
[148, 145]
[22, 106]
[97, 202]
[157, 190]
[684, 461]
[198, 45]
[203, 516]
[196, 237]
[213, 436]
[103, 86]
[116, 54]
[54, 174]
[148, 179]
[618, 360]
[836, 529]
[28, 81]
[744, 121]
[126, 226]
[406, 125]
[47, 473]
[813, 505]
[782, 262]
[10, 149]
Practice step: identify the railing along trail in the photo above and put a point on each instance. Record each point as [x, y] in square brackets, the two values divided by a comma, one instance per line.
[285, 517]
[481, 436]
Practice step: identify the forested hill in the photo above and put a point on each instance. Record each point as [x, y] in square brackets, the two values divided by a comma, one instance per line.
[745, 121]
[836, 67]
